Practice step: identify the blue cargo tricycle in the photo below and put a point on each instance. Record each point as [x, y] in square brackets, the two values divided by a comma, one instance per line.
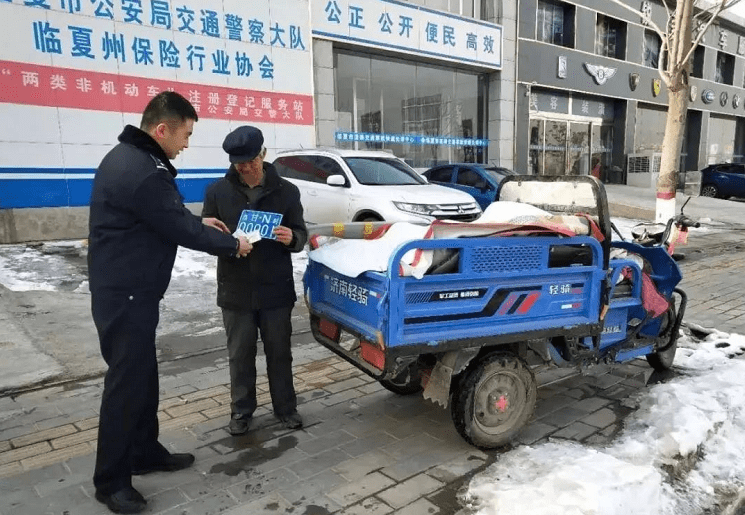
[491, 309]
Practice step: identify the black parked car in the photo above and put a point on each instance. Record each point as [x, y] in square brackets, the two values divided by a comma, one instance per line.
[479, 180]
[723, 180]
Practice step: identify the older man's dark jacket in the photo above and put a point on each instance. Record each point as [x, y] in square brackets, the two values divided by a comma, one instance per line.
[138, 219]
[263, 279]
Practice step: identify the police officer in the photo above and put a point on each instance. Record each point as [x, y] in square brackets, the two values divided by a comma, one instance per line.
[137, 221]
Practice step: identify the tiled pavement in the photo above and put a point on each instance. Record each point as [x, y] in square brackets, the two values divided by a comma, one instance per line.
[363, 450]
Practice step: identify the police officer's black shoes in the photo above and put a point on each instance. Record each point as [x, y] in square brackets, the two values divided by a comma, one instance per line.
[126, 500]
[238, 424]
[291, 420]
[169, 463]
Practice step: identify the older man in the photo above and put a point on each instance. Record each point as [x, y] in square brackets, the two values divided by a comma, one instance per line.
[257, 294]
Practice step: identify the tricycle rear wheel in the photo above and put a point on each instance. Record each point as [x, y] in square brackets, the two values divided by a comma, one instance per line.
[663, 360]
[494, 400]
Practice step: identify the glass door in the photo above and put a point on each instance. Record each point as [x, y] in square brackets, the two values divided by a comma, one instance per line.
[602, 146]
[578, 155]
[555, 148]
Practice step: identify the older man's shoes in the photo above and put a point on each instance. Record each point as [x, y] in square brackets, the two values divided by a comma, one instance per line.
[291, 420]
[238, 424]
[126, 500]
[168, 463]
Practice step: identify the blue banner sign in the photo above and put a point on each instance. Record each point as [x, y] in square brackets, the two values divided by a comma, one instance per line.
[411, 139]
[262, 221]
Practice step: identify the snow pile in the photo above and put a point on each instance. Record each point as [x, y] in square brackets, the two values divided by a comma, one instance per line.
[566, 479]
[680, 453]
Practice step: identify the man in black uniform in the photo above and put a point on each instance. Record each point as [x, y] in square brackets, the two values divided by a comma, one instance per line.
[257, 294]
[137, 221]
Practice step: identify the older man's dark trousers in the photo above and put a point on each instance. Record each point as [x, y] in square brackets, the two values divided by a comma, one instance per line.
[128, 422]
[242, 329]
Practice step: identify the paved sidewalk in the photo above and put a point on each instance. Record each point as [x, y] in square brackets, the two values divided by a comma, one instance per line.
[363, 450]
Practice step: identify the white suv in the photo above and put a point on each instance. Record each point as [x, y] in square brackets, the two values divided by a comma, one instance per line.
[354, 185]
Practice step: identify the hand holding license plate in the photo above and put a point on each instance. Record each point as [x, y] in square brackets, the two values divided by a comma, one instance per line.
[258, 222]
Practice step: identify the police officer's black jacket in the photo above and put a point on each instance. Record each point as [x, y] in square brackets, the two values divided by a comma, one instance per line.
[138, 219]
[263, 279]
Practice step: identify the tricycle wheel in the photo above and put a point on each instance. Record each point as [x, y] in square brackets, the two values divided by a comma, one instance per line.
[662, 361]
[494, 400]
[407, 383]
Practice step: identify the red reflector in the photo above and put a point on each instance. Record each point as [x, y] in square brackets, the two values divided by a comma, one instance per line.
[329, 329]
[372, 354]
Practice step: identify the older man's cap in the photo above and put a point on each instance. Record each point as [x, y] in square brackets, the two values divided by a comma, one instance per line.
[243, 144]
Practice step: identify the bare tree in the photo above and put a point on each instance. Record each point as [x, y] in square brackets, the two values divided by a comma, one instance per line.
[687, 23]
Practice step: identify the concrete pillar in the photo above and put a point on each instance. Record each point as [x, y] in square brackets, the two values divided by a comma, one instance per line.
[710, 63]
[635, 46]
[703, 151]
[626, 136]
[323, 80]
[501, 108]
[585, 30]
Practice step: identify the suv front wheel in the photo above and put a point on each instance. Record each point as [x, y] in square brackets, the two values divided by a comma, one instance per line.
[368, 217]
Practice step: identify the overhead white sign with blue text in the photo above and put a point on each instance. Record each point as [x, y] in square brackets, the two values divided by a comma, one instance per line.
[412, 29]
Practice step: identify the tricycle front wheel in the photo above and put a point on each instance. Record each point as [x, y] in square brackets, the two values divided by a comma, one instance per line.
[494, 400]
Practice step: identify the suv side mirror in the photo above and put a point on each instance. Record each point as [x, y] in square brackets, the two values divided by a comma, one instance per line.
[336, 180]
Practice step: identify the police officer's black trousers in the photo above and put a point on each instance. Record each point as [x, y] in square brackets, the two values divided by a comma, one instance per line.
[128, 423]
[242, 328]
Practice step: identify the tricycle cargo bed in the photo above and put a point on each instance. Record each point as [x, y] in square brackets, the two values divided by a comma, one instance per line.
[499, 290]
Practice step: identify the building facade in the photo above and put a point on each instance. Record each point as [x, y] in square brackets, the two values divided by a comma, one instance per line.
[430, 80]
[590, 98]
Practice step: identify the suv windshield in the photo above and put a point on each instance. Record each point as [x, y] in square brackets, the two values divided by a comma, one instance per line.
[379, 171]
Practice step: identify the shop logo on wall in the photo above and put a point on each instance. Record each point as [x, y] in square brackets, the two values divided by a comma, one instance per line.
[693, 93]
[656, 86]
[707, 96]
[561, 67]
[601, 74]
[723, 99]
[633, 81]
[735, 100]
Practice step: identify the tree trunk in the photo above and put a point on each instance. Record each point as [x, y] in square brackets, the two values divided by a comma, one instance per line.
[670, 161]
[676, 76]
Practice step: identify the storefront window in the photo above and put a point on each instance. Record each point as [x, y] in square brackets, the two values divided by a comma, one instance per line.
[609, 37]
[436, 106]
[570, 134]
[652, 44]
[725, 69]
[555, 23]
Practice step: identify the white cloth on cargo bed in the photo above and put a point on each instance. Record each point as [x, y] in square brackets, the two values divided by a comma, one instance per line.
[351, 257]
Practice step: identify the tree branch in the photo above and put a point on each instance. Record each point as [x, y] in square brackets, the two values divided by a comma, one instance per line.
[652, 24]
[719, 8]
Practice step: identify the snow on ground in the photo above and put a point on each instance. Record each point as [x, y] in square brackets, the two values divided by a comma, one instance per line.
[60, 266]
[700, 415]
[189, 303]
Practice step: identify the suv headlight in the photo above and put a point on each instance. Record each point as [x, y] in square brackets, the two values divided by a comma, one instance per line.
[417, 209]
